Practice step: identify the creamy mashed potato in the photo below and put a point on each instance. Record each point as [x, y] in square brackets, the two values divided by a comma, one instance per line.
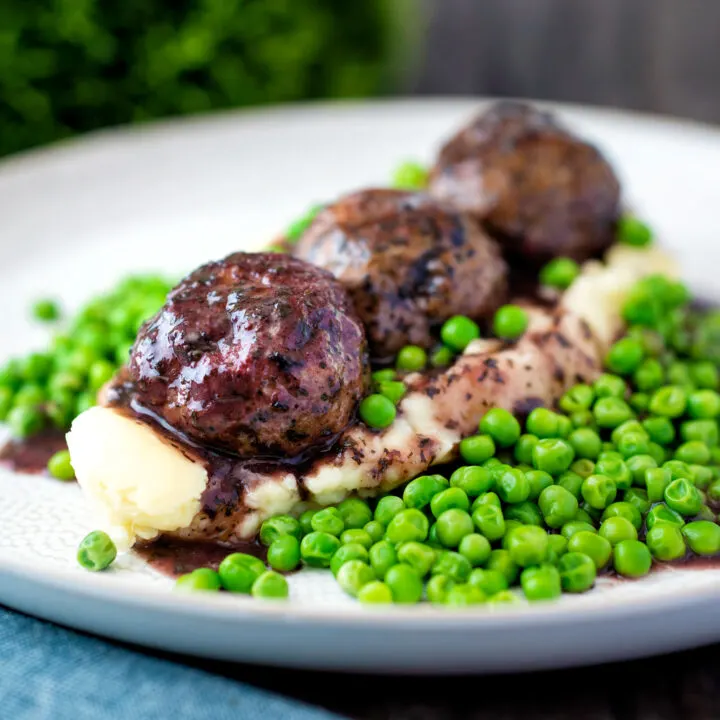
[139, 484]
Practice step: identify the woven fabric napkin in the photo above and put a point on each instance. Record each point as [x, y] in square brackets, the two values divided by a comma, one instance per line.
[49, 673]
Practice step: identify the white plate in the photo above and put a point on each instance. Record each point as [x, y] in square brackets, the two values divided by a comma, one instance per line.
[74, 218]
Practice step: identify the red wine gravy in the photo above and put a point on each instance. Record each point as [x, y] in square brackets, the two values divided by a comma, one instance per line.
[31, 455]
[174, 558]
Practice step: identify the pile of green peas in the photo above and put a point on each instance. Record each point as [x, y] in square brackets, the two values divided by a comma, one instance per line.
[622, 475]
[48, 389]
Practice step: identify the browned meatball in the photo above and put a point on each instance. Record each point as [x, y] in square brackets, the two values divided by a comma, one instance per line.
[256, 354]
[540, 190]
[408, 263]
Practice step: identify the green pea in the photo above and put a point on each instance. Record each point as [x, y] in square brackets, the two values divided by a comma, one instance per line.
[385, 375]
[639, 402]
[30, 395]
[713, 491]
[472, 480]
[703, 537]
[702, 476]
[638, 465]
[432, 539]
[543, 423]
[598, 491]
[305, 521]
[382, 557]
[442, 357]
[705, 431]
[46, 310]
[420, 557]
[633, 443]
[656, 480]
[501, 561]
[572, 482]
[318, 548]
[419, 492]
[270, 586]
[583, 516]
[583, 467]
[557, 505]
[510, 525]
[411, 358]
[476, 548]
[669, 401]
[510, 322]
[553, 456]
[538, 481]
[354, 536]
[329, 521]
[353, 575]
[477, 449]
[703, 404]
[202, 579]
[629, 426]
[489, 582]
[609, 386]
[408, 525]
[626, 510]
[437, 589]
[665, 542]
[524, 447]
[657, 453]
[101, 371]
[355, 513]
[452, 526]
[528, 513]
[593, 545]
[625, 356]
[616, 529]
[501, 425]
[632, 231]
[577, 399]
[96, 551]
[528, 545]
[25, 421]
[448, 499]
[541, 583]
[649, 376]
[705, 374]
[610, 412]
[390, 505]
[559, 273]
[375, 593]
[582, 418]
[592, 515]
[678, 373]
[557, 547]
[453, 565]
[705, 513]
[376, 411]
[60, 466]
[682, 496]
[693, 452]
[577, 572]
[489, 520]
[488, 498]
[277, 526]
[376, 531]
[631, 558]
[284, 553]
[512, 486]
[238, 572]
[638, 498]
[458, 332]
[679, 469]
[585, 442]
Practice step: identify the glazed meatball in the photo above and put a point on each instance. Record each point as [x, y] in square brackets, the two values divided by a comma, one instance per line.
[408, 263]
[540, 190]
[255, 354]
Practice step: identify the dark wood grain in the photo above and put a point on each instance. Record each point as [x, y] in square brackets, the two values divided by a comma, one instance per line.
[657, 55]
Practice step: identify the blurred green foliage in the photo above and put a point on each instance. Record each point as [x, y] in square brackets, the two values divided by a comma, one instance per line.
[68, 66]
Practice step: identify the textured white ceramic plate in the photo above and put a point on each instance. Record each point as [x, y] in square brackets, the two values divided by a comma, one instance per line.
[74, 218]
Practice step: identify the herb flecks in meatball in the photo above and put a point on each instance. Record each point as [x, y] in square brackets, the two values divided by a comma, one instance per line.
[408, 262]
[256, 354]
[540, 190]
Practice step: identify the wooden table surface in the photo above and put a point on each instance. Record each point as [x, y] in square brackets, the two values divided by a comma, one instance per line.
[682, 686]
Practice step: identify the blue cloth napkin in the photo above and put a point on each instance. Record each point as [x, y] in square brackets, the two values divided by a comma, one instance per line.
[49, 673]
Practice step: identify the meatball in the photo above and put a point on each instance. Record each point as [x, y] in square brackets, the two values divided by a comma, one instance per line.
[258, 354]
[540, 190]
[408, 262]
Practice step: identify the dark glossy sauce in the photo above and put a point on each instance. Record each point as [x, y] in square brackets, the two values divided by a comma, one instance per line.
[31, 455]
[175, 558]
